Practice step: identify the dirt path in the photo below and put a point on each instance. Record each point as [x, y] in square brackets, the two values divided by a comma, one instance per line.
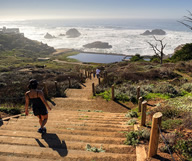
[82, 99]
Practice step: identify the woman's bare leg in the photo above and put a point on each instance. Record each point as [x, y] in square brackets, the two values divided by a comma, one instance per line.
[44, 119]
[40, 119]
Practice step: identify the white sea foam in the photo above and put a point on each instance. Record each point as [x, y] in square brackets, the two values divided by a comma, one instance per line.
[123, 40]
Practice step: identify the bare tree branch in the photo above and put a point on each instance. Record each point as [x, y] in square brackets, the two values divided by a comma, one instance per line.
[158, 52]
[187, 19]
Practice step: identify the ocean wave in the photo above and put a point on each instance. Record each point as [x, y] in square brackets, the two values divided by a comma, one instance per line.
[124, 39]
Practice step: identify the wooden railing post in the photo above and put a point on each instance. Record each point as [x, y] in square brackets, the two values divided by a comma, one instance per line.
[99, 81]
[93, 89]
[56, 87]
[90, 76]
[139, 103]
[138, 92]
[81, 76]
[154, 137]
[143, 113]
[112, 92]
[45, 89]
[69, 79]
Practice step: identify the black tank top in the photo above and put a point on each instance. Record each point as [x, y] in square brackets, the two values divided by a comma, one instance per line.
[36, 102]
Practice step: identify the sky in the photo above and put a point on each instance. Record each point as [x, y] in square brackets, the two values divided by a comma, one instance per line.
[94, 9]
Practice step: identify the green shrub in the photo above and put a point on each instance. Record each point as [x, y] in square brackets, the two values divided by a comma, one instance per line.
[11, 110]
[184, 54]
[94, 149]
[106, 95]
[133, 99]
[166, 89]
[156, 95]
[181, 103]
[169, 112]
[187, 87]
[131, 114]
[187, 122]
[184, 147]
[122, 97]
[135, 58]
[171, 124]
[131, 122]
[133, 137]
[165, 149]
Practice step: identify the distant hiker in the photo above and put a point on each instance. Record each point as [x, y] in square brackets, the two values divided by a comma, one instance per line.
[98, 73]
[39, 104]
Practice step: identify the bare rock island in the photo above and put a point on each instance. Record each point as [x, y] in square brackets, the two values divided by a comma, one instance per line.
[73, 33]
[49, 36]
[154, 32]
[98, 44]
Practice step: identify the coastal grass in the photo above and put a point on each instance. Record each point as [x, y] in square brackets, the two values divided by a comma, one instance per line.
[64, 56]
[151, 96]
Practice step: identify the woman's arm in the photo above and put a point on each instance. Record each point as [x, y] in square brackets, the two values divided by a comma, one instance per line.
[41, 95]
[26, 104]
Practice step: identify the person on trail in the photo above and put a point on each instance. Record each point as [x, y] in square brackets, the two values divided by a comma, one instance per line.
[39, 104]
[98, 73]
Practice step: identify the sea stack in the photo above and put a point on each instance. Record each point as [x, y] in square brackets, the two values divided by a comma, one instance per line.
[49, 36]
[154, 32]
[73, 33]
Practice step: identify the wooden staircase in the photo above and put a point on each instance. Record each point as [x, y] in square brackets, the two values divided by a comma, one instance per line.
[68, 134]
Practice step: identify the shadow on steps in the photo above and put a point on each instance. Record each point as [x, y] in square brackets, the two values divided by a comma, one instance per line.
[122, 105]
[55, 143]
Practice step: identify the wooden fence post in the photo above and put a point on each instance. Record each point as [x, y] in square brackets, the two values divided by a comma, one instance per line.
[99, 81]
[81, 76]
[69, 82]
[93, 89]
[90, 75]
[154, 137]
[138, 92]
[143, 113]
[45, 89]
[112, 92]
[56, 87]
[139, 103]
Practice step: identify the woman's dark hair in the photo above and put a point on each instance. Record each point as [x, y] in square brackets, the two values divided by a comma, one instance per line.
[33, 84]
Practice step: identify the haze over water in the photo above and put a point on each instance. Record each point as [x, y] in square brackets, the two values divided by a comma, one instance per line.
[119, 23]
[122, 34]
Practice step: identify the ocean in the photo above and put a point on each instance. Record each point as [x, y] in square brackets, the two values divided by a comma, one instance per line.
[123, 34]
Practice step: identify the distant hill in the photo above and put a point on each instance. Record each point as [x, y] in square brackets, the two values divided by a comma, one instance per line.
[23, 46]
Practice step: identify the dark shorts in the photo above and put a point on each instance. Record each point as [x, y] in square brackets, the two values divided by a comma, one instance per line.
[40, 111]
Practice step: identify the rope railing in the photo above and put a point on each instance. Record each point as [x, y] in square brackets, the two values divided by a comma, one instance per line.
[165, 141]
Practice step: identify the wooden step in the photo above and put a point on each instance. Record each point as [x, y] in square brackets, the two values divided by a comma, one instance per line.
[69, 137]
[72, 145]
[79, 123]
[66, 131]
[61, 153]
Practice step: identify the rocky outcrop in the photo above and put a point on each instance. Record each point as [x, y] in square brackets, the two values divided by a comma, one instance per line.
[154, 32]
[98, 44]
[61, 34]
[179, 47]
[73, 33]
[49, 36]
